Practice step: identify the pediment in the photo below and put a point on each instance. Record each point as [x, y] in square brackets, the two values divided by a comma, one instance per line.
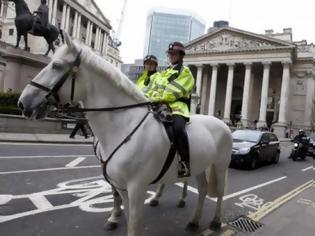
[230, 39]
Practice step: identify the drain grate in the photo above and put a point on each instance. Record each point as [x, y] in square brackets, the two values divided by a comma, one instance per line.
[245, 224]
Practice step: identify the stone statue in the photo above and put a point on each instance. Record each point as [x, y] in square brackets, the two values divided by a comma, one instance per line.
[36, 24]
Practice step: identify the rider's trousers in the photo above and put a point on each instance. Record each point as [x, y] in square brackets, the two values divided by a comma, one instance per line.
[181, 137]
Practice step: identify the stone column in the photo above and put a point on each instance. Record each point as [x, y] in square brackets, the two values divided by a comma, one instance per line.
[75, 25]
[87, 35]
[100, 47]
[104, 44]
[91, 34]
[63, 18]
[203, 99]
[213, 89]
[285, 89]
[54, 13]
[78, 36]
[246, 91]
[50, 7]
[196, 96]
[67, 19]
[228, 96]
[309, 100]
[264, 95]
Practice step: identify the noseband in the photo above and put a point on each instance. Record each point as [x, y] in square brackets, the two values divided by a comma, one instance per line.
[73, 70]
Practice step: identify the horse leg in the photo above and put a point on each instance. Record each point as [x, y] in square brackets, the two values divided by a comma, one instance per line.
[125, 201]
[136, 196]
[220, 175]
[26, 48]
[18, 39]
[202, 192]
[112, 221]
[182, 203]
[155, 200]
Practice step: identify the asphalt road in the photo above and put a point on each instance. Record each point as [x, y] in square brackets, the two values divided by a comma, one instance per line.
[59, 190]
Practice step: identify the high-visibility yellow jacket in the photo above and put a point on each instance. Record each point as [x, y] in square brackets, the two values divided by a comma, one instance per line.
[144, 80]
[165, 89]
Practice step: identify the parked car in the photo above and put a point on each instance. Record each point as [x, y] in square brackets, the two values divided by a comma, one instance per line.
[253, 146]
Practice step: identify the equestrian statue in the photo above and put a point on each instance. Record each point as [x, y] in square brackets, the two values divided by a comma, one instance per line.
[36, 24]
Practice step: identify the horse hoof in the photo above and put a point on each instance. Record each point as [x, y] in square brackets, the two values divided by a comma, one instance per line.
[154, 203]
[110, 226]
[192, 227]
[181, 204]
[215, 226]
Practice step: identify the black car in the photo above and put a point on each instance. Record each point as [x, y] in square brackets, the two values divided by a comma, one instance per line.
[252, 146]
[311, 147]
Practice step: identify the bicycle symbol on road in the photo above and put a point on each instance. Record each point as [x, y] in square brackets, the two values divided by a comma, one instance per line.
[91, 195]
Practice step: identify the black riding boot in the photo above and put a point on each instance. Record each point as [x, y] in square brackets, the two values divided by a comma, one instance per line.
[182, 145]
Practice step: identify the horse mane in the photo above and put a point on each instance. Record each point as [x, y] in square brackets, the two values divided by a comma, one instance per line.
[111, 73]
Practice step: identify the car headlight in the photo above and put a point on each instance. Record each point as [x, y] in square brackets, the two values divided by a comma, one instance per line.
[296, 145]
[244, 150]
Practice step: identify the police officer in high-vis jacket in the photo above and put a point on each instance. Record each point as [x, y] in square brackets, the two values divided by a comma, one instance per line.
[150, 63]
[174, 87]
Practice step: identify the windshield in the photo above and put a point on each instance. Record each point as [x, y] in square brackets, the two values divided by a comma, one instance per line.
[246, 135]
[312, 136]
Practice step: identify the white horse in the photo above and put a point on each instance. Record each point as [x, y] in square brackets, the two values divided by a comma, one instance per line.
[137, 140]
[112, 221]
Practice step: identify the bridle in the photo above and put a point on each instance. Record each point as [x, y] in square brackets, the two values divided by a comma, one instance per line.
[53, 92]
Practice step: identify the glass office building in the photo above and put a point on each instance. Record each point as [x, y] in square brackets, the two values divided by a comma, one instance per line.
[163, 28]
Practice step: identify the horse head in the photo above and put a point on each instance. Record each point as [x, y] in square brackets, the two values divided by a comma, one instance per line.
[52, 86]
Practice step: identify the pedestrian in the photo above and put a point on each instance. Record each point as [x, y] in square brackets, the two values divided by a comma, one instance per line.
[80, 124]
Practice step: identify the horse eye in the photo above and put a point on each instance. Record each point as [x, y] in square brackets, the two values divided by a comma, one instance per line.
[57, 65]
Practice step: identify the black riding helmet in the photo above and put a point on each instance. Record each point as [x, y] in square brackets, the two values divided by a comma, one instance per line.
[150, 58]
[176, 46]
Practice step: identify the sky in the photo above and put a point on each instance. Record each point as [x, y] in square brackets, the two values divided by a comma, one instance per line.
[251, 15]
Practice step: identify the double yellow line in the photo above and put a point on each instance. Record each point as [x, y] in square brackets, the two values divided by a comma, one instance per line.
[265, 210]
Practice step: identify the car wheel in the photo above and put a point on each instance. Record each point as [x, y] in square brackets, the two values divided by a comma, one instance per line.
[253, 162]
[276, 158]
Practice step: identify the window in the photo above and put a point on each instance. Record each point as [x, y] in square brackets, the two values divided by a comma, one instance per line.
[265, 138]
[0, 34]
[273, 138]
[11, 32]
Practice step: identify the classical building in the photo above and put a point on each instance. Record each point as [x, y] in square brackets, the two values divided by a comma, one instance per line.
[244, 78]
[81, 19]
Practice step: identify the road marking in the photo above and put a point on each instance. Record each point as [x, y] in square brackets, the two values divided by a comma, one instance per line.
[253, 188]
[76, 162]
[48, 169]
[194, 190]
[25, 157]
[307, 168]
[40, 202]
[266, 210]
[45, 144]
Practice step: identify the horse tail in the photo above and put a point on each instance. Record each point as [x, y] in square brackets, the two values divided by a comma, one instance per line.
[217, 181]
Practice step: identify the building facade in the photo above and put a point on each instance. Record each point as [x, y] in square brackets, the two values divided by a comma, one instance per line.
[164, 27]
[244, 78]
[81, 19]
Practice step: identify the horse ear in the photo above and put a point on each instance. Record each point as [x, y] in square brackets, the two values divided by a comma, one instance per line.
[71, 45]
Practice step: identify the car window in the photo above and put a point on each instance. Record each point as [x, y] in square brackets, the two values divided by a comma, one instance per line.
[246, 135]
[273, 138]
[265, 138]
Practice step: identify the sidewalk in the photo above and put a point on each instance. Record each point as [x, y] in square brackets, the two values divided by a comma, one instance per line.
[44, 138]
[294, 218]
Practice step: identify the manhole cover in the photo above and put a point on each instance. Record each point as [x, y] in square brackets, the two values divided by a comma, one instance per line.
[245, 224]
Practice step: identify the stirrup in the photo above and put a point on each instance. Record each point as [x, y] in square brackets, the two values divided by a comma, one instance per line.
[183, 170]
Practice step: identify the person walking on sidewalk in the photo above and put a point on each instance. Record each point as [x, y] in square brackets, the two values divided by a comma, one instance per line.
[81, 124]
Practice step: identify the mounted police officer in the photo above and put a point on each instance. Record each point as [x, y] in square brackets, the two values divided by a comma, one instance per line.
[150, 63]
[174, 87]
[41, 22]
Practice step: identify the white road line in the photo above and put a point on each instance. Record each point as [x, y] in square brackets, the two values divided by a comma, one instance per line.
[45, 144]
[48, 169]
[40, 202]
[194, 190]
[75, 162]
[253, 188]
[307, 168]
[25, 157]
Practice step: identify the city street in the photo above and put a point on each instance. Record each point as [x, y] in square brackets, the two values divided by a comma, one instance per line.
[55, 189]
